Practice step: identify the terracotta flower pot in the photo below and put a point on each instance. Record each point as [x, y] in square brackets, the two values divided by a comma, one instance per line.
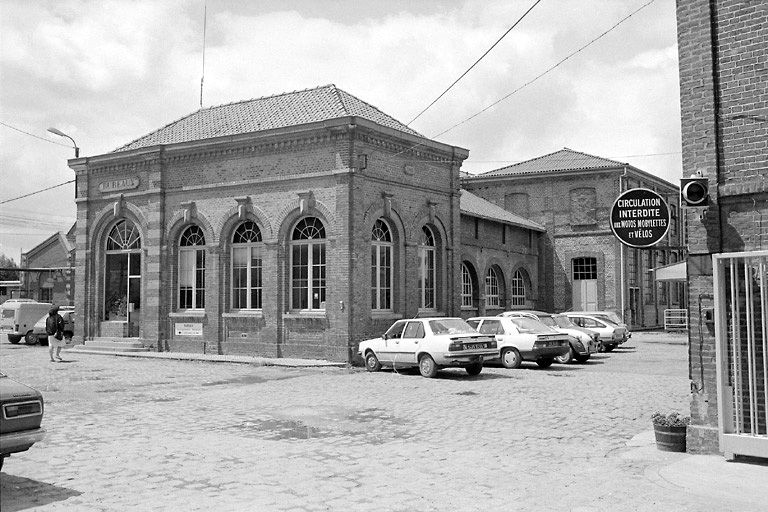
[670, 439]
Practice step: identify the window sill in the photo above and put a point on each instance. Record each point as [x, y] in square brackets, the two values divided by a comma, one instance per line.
[187, 314]
[306, 314]
[244, 314]
[385, 315]
[430, 313]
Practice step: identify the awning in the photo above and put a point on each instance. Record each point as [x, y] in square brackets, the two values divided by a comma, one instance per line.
[677, 272]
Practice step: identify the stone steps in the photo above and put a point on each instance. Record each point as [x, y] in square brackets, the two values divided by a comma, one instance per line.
[110, 345]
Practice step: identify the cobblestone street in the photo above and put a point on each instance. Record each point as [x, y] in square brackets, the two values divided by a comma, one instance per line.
[147, 434]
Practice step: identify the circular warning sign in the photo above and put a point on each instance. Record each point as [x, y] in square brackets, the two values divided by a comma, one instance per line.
[640, 218]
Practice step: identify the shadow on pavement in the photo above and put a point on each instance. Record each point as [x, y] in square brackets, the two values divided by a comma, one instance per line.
[18, 493]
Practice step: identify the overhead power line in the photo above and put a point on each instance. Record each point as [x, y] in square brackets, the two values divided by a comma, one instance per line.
[615, 25]
[37, 192]
[33, 135]
[590, 43]
[475, 63]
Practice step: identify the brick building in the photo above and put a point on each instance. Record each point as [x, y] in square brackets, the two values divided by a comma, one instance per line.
[287, 226]
[570, 194]
[499, 259]
[57, 285]
[723, 55]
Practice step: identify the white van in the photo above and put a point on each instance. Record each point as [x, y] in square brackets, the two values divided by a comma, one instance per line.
[19, 316]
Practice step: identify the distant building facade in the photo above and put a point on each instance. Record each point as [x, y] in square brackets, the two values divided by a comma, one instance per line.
[723, 51]
[9, 289]
[56, 285]
[582, 264]
[288, 226]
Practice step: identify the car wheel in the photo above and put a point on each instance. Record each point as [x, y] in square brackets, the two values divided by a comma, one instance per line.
[582, 359]
[510, 358]
[31, 338]
[427, 366]
[372, 363]
[565, 358]
[545, 362]
[13, 338]
[609, 348]
[474, 369]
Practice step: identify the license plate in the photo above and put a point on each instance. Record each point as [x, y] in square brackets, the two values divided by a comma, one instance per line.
[473, 346]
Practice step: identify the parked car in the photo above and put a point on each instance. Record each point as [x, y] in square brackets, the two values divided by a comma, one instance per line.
[19, 316]
[38, 331]
[430, 344]
[522, 338]
[582, 344]
[22, 415]
[611, 316]
[611, 335]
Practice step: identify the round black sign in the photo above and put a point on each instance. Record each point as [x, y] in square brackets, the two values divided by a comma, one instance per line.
[640, 218]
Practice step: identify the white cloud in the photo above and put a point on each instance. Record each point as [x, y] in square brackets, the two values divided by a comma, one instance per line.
[109, 72]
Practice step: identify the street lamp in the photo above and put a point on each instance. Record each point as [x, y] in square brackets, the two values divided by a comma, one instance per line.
[62, 134]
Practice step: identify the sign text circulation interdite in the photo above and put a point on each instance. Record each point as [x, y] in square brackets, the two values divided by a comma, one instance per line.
[640, 218]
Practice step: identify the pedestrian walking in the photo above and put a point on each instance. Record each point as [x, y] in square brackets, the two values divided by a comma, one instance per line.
[54, 327]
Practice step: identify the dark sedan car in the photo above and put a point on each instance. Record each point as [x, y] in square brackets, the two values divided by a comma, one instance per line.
[21, 417]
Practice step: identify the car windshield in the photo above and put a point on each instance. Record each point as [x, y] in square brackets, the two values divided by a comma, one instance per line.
[451, 326]
[526, 324]
[613, 317]
[547, 320]
[607, 320]
[563, 322]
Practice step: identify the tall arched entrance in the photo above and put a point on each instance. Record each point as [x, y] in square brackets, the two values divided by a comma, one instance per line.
[122, 280]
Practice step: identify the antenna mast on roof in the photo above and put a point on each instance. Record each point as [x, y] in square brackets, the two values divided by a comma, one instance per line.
[202, 77]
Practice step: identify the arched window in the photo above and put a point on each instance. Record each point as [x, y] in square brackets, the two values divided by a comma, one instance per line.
[247, 249]
[381, 266]
[122, 273]
[308, 265]
[192, 269]
[517, 287]
[427, 269]
[123, 237]
[467, 288]
[492, 293]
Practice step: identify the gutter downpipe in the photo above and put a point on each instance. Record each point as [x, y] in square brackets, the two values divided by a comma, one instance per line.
[621, 258]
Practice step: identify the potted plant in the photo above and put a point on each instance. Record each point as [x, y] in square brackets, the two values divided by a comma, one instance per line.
[670, 430]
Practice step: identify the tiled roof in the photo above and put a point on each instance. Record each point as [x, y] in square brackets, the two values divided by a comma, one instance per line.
[267, 113]
[478, 207]
[563, 160]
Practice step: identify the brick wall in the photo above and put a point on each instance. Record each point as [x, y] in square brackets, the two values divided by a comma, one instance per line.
[723, 51]
[273, 181]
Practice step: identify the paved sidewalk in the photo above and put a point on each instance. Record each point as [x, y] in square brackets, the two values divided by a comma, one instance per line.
[214, 358]
[742, 484]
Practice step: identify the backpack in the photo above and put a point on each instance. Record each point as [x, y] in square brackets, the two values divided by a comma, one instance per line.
[51, 325]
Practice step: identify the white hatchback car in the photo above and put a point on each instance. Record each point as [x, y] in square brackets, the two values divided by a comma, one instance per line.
[522, 338]
[430, 344]
[611, 335]
[582, 342]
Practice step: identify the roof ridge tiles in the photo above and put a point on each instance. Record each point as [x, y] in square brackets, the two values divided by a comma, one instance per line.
[291, 108]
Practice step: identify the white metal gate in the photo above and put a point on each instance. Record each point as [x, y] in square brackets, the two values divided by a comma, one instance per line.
[741, 316]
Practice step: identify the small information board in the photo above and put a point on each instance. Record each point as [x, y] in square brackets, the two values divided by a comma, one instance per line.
[187, 329]
[640, 218]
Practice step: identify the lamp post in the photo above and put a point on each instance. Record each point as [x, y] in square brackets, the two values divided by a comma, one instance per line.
[62, 134]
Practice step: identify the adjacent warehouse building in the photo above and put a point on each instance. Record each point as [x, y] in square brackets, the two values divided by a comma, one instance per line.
[583, 266]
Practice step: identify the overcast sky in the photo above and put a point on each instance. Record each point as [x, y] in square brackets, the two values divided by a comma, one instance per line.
[107, 72]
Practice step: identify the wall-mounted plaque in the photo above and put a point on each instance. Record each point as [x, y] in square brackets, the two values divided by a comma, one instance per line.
[106, 187]
[188, 329]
